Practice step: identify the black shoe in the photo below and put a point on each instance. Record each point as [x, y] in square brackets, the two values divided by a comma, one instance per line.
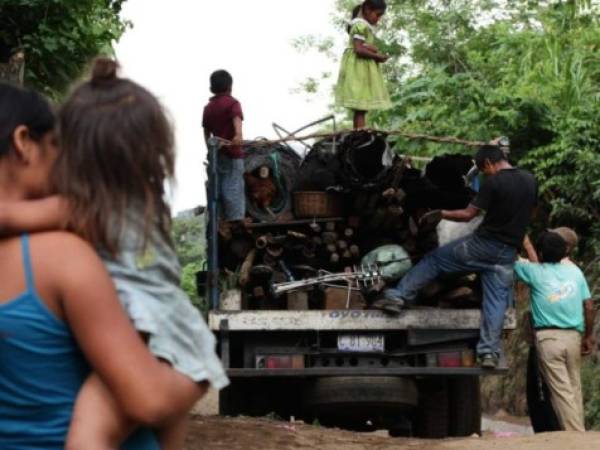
[393, 307]
[488, 361]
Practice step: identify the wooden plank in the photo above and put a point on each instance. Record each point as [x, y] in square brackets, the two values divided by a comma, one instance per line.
[353, 320]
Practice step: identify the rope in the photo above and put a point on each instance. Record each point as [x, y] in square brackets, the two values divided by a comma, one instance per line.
[399, 133]
[282, 191]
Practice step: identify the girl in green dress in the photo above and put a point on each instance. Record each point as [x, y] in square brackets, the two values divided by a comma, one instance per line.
[360, 86]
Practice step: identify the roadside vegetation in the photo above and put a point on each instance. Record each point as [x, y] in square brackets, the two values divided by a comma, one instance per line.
[58, 37]
[189, 238]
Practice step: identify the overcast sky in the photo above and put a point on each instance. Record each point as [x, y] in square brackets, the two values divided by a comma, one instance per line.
[176, 44]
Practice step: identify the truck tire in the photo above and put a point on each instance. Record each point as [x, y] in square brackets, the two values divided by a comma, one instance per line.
[230, 399]
[464, 401]
[351, 402]
[431, 419]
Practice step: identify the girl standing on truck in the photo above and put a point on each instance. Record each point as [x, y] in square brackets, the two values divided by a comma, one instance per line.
[116, 155]
[360, 85]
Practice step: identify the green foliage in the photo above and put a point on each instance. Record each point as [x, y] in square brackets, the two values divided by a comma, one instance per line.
[188, 284]
[590, 381]
[190, 244]
[59, 37]
[189, 237]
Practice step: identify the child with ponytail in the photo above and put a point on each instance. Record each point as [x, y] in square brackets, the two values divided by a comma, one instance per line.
[116, 156]
[360, 85]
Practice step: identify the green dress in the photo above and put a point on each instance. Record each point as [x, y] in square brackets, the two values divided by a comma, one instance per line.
[360, 84]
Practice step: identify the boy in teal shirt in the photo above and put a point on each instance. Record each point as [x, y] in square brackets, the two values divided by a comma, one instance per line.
[559, 296]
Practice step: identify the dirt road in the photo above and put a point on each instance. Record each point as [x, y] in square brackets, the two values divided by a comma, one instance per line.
[218, 433]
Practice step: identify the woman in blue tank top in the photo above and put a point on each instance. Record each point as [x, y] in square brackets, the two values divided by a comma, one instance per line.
[59, 313]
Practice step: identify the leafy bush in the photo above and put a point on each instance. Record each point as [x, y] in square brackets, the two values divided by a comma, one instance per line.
[590, 380]
[190, 243]
[188, 284]
[59, 37]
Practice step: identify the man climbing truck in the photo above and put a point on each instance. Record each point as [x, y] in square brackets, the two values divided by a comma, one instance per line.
[296, 333]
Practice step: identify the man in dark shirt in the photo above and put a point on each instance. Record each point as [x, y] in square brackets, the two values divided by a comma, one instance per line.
[507, 197]
[223, 119]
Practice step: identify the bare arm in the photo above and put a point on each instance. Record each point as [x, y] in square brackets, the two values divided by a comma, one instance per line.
[237, 125]
[589, 340]
[367, 51]
[149, 392]
[206, 136]
[530, 250]
[461, 215]
[46, 214]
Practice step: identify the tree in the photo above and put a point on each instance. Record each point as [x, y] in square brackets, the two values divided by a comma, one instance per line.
[190, 244]
[58, 37]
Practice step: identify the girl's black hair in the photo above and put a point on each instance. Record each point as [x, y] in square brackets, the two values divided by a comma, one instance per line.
[21, 106]
[221, 82]
[491, 153]
[377, 5]
[552, 247]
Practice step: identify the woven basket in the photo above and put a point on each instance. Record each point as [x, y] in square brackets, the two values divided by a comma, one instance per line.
[309, 204]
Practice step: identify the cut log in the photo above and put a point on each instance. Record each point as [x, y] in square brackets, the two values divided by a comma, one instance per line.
[246, 267]
[331, 248]
[329, 238]
[315, 228]
[354, 221]
[342, 245]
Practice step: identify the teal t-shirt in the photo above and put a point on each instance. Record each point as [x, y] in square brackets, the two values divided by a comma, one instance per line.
[557, 294]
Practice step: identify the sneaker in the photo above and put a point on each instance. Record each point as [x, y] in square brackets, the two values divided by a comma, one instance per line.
[488, 361]
[393, 307]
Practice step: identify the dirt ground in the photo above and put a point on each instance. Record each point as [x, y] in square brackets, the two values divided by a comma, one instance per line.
[220, 433]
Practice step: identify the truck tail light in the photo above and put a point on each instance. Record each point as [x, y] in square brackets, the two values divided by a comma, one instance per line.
[450, 359]
[280, 362]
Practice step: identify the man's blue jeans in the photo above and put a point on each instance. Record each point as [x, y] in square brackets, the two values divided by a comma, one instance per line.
[471, 254]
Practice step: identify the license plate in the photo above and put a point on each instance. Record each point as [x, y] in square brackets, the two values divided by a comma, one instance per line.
[361, 343]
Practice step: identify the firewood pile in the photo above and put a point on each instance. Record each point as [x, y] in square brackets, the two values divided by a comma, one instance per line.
[323, 214]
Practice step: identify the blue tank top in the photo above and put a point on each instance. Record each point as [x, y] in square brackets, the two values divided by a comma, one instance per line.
[41, 372]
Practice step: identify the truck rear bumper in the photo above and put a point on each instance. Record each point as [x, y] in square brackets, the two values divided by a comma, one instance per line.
[351, 320]
[365, 372]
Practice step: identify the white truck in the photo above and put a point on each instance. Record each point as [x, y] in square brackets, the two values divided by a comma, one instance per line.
[360, 369]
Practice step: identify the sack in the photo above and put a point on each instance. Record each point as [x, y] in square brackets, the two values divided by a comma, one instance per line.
[393, 261]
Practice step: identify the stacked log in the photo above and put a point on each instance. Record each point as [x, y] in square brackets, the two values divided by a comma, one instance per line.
[383, 205]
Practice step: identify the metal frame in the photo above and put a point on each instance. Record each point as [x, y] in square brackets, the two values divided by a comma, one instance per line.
[364, 372]
[294, 134]
[213, 224]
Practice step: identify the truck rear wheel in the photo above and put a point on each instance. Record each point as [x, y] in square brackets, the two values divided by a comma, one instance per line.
[464, 397]
[431, 419]
[359, 403]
